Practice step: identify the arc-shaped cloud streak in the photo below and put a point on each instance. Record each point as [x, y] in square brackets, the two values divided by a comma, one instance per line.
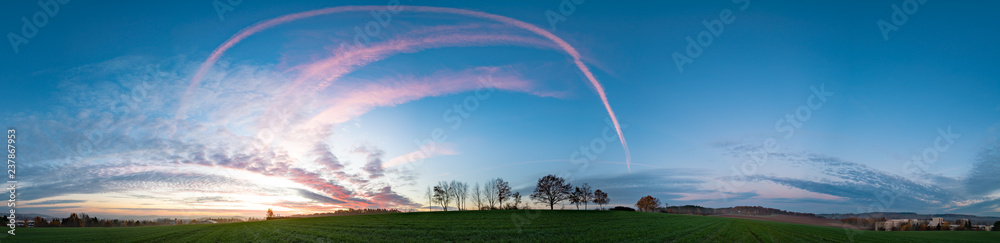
[347, 59]
[260, 26]
[345, 62]
[365, 97]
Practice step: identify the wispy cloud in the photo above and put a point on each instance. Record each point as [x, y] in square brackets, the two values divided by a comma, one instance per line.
[267, 24]
[871, 189]
[670, 185]
[319, 198]
[424, 152]
[373, 164]
[984, 177]
[113, 137]
[393, 91]
[50, 202]
[191, 132]
[350, 58]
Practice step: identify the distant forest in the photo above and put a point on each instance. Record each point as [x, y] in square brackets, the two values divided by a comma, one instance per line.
[349, 211]
[740, 210]
[84, 220]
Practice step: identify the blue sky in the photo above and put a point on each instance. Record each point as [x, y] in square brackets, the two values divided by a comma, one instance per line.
[120, 111]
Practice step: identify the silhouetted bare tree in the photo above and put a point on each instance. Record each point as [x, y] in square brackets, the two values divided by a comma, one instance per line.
[443, 194]
[460, 190]
[551, 190]
[586, 195]
[517, 200]
[503, 191]
[576, 198]
[477, 197]
[430, 198]
[600, 197]
[490, 192]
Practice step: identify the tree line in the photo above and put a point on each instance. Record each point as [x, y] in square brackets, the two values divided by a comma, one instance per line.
[84, 220]
[489, 197]
[742, 210]
[349, 211]
[497, 194]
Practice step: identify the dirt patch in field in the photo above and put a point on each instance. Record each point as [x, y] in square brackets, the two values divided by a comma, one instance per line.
[795, 220]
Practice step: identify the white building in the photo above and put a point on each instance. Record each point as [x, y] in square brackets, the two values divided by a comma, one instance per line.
[897, 223]
[935, 222]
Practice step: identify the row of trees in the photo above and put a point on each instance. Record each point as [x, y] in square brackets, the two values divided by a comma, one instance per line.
[84, 220]
[741, 210]
[349, 211]
[81, 220]
[552, 190]
[497, 194]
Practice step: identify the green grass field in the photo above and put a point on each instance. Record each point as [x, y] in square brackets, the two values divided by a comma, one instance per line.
[591, 226]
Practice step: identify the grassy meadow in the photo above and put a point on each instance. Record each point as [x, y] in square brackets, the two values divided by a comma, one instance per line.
[520, 226]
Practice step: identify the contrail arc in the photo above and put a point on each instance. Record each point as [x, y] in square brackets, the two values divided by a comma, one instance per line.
[263, 25]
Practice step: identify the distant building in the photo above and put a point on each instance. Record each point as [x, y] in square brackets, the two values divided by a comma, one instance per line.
[915, 224]
[983, 227]
[888, 225]
[935, 222]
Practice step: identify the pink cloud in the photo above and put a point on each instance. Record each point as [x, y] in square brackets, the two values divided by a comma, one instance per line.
[269, 163]
[365, 97]
[566, 47]
[348, 59]
[425, 152]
